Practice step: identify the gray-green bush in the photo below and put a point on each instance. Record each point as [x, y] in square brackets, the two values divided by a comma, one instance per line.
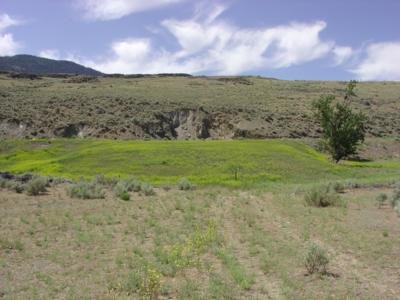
[37, 185]
[15, 186]
[397, 209]
[395, 199]
[84, 189]
[337, 187]
[381, 199]
[3, 183]
[185, 184]
[123, 187]
[105, 181]
[323, 197]
[316, 260]
[147, 189]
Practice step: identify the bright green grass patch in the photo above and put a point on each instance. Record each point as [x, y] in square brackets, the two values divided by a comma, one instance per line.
[260, 162]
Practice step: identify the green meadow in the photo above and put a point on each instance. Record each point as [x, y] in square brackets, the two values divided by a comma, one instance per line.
[205, 162]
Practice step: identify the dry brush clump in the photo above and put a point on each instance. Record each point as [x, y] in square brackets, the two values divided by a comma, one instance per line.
[37, 185]
[381, 199]
[185, 184]
[32, 185]
[123, 187]
[323, 197]
[84, 189]
[316, 260]
[395, 200]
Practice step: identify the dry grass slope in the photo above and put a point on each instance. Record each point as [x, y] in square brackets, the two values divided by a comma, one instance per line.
[203, 244]
[181, 107]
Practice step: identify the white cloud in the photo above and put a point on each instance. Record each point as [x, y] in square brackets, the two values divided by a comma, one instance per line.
[50, 54]
[7, 21]
[382, 62]
[208, 44]
[8, 46]
[342, 54]
[115, 9]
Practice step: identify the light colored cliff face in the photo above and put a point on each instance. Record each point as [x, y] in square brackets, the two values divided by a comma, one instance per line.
[178, 124]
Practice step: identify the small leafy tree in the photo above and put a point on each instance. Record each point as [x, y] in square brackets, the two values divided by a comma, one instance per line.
[343, 129]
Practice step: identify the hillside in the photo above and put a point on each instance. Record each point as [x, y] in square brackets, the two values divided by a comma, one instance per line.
[170, 107]
[40, 66]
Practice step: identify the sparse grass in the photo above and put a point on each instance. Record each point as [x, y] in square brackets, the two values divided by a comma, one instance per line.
[8, 245]
[236, 270]
[189, 290]
[187, 254]
[253, 247]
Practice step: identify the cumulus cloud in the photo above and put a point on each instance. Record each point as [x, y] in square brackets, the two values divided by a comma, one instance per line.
[6, 21]
[208, 44]
[342, 54]
[8, 46]
[382, 62]
[115, 9]
[50, 54]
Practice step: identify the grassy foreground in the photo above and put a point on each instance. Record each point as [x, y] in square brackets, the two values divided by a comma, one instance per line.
[211, 243]
[257, 162]
[208, 243]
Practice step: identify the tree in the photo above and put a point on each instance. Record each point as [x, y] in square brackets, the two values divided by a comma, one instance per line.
[343, 129]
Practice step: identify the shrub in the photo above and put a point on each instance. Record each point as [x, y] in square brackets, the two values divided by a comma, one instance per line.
[125, 196]
[132, 185]
[150, 284]
[147, 189]
[3, 183]
[381, 199]
[17, 187]
[120, 189]
[86, 190]
[102, 180]
[338, 187]
[395, 200]
[184, 185]
[397, 209]
[143, 281]
[37, 185]
[316, 260]
[125, 186]
[322, 197]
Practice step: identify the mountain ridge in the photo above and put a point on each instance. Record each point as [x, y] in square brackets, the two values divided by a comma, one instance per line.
[30, 64]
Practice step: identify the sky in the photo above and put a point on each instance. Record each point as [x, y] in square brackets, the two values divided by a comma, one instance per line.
[286, 39]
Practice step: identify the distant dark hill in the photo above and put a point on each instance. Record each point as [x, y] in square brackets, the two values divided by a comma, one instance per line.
[41, 66]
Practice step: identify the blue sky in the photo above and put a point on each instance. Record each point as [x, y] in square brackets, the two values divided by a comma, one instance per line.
[288, 39]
